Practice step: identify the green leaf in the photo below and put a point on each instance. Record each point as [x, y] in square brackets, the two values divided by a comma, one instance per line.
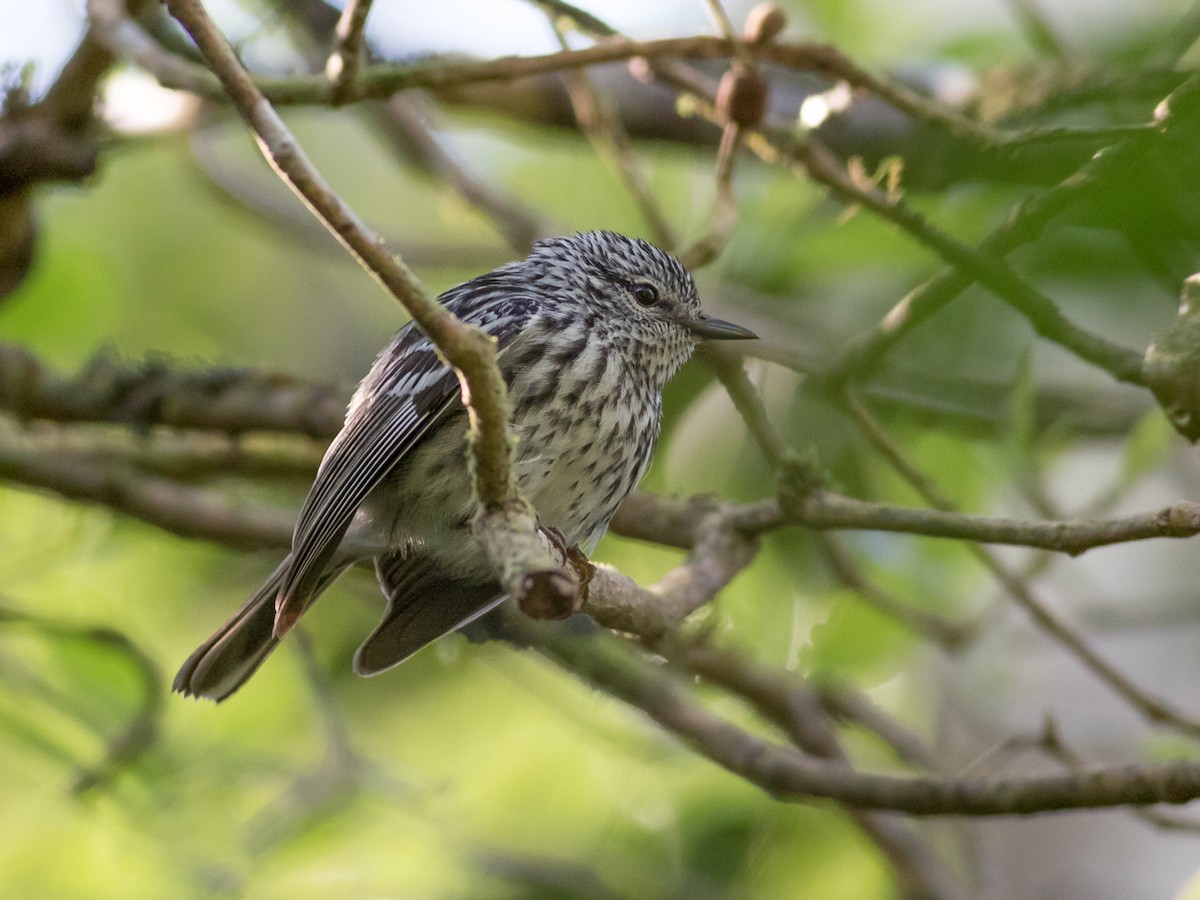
[856, 641]
[1148, 445]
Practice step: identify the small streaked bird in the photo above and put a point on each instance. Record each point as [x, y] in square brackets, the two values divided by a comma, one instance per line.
[589, 330]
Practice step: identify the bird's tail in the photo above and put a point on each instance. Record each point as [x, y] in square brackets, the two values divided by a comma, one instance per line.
[424, 602]
[224, 662]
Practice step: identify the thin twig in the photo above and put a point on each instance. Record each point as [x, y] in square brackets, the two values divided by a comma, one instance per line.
[407, 123]
[849, 705]
[608, 138]
[349, 51]
[720, 19]
[947, 634]
[825, 509]
[784, 700]
[1179, 39]
[1037, 29]
[797, 710]
[232, 183]
[581, 19]
[340, 754]
[325, 790]
[1153, 709]
[1025, 225]
[708, 246]
[730, 370]
[1049, 741]
[817, 162]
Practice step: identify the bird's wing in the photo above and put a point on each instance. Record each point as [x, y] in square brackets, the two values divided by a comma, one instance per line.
[406, 394]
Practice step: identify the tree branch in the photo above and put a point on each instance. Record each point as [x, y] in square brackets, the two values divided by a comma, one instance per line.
[349, 50]
[236, 401]
[506, 526]
[797, 710]
[186, 511]
[1153, 709]
[787, 775]
[1041, 312]
[231, 400]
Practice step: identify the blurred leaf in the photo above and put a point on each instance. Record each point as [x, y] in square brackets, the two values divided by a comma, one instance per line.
[855, 642]
[1148, 445]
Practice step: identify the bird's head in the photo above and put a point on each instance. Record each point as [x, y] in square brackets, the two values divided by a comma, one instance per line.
[640, 291]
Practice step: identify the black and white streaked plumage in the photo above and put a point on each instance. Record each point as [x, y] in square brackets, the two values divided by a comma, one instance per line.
[590, 328]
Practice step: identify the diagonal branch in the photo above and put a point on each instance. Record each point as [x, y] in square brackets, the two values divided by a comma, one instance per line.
[786, 774]
[814, 159]
[797, 710]
[611, 143]
[507, 527]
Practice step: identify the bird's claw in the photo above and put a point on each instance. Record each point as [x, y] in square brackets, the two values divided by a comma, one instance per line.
[576, 558]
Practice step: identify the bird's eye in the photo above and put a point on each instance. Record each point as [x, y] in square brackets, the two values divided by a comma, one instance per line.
[645, 294]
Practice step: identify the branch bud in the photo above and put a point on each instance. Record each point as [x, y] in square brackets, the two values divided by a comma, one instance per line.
[763, 24]
[1171, 365]
[742, 96]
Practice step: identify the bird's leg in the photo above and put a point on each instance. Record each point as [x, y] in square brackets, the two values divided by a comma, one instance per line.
[576, 558]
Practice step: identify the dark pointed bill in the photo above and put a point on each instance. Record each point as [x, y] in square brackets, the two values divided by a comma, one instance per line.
[717, 329]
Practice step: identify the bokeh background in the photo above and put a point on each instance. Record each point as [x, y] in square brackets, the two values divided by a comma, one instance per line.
[479, 770]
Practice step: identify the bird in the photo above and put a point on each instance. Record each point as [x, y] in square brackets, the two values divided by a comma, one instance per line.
[589, 329]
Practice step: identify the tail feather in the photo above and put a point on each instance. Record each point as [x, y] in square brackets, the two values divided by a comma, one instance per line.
[224, 662]
[423, 604]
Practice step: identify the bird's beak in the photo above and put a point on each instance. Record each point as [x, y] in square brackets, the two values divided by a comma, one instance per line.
[710, 329]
